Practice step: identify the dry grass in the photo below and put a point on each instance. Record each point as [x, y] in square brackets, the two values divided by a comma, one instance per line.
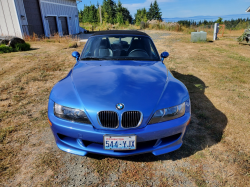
[223, 109]
[216, 150]
[56, 38]
[26, 79]
[107, 26]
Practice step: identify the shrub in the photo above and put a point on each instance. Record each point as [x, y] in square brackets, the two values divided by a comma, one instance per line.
[5, 49]
[22, 47]
[142, 25]
[18, 47]
[242, 37]
[73, 45]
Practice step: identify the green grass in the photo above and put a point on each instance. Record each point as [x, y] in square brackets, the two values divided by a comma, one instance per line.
[239, 58]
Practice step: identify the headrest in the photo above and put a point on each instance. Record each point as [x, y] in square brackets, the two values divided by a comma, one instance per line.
[104, 42]
[104, 52]
[137, 44]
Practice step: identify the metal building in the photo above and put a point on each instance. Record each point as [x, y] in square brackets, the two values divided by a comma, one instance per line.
[42, 17]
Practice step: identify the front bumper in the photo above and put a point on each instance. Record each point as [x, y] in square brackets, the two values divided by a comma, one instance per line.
[81, 139]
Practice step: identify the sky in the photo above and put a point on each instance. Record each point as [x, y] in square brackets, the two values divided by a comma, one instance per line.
[185, 8]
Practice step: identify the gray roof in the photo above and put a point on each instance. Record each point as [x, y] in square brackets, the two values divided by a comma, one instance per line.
[110, 32]
[248, 10]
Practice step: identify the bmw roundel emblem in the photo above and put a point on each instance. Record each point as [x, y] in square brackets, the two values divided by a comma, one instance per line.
[119, 106]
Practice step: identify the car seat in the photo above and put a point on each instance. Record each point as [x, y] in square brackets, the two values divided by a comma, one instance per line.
[103, 49]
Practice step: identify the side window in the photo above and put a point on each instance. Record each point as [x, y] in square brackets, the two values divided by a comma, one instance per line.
[152, 50]
[88, 52]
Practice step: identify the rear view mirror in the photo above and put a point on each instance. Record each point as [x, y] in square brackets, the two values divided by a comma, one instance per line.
[76, 55]
[164, 55]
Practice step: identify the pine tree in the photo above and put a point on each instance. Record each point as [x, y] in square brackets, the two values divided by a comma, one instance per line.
[150, 12]
[109, 9]
[119, 16]
[219, 20]
[89, 14]
[123, 13]
[111, 13]
[156, 11]
[141, 15]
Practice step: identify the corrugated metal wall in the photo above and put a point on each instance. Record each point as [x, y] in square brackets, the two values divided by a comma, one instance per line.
[33, 13]
[21, 16]
[60, 8]
[9, 21]
[13, 17]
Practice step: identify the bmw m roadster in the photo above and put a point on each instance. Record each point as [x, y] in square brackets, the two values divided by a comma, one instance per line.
[119, 99]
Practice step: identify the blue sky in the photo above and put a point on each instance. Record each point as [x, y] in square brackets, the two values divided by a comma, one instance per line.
[185, 8]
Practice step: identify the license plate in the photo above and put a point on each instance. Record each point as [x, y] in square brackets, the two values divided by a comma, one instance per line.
[112, 142]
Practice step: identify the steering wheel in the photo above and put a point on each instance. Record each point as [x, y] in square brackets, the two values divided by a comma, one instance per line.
[143, 52]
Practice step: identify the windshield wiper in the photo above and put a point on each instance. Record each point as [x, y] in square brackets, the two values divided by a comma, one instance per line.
[92, 58]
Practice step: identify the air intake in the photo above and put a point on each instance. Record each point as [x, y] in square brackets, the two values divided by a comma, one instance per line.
[131, 119]
[108, 119]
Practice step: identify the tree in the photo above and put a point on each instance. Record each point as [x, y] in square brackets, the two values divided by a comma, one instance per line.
[123, 13]
[150, 12]
[109, 10]
[141, 15]
[156, 11]
[119, 18]
[126, 15]
[111, 13]
[89, 14]
[219, 20]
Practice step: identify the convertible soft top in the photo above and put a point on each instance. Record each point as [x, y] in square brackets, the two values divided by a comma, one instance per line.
[131, 32]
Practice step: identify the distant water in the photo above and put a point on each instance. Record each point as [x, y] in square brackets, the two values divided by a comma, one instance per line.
[208, 18]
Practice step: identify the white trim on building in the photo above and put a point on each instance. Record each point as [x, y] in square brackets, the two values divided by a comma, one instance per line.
[9, 22]
[56, 3]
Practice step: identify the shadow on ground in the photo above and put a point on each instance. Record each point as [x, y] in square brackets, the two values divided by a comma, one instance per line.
[205, 130]
[33, 49]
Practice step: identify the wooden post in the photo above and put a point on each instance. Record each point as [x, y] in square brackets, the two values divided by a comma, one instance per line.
[100, 12]
[223, 29]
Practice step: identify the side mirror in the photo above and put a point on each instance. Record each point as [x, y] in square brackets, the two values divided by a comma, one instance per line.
[76, 55]
[164, 55]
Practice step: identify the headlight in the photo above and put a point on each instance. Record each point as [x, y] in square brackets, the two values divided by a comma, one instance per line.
[170, 113]
[71, 114]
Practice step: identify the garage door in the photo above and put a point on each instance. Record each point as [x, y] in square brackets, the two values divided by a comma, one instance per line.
[64, 25]
[33, 15]
[52, 25]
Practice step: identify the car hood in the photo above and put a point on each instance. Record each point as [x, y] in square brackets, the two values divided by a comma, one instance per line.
[100, 87]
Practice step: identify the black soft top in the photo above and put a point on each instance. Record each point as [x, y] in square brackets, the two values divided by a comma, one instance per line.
[110, 32]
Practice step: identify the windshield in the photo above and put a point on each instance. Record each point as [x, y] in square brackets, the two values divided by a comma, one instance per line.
[120, 47]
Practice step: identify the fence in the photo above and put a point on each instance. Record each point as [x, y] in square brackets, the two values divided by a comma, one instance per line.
[227, 29]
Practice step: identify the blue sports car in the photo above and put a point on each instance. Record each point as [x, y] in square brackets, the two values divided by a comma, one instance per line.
[119, 99]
